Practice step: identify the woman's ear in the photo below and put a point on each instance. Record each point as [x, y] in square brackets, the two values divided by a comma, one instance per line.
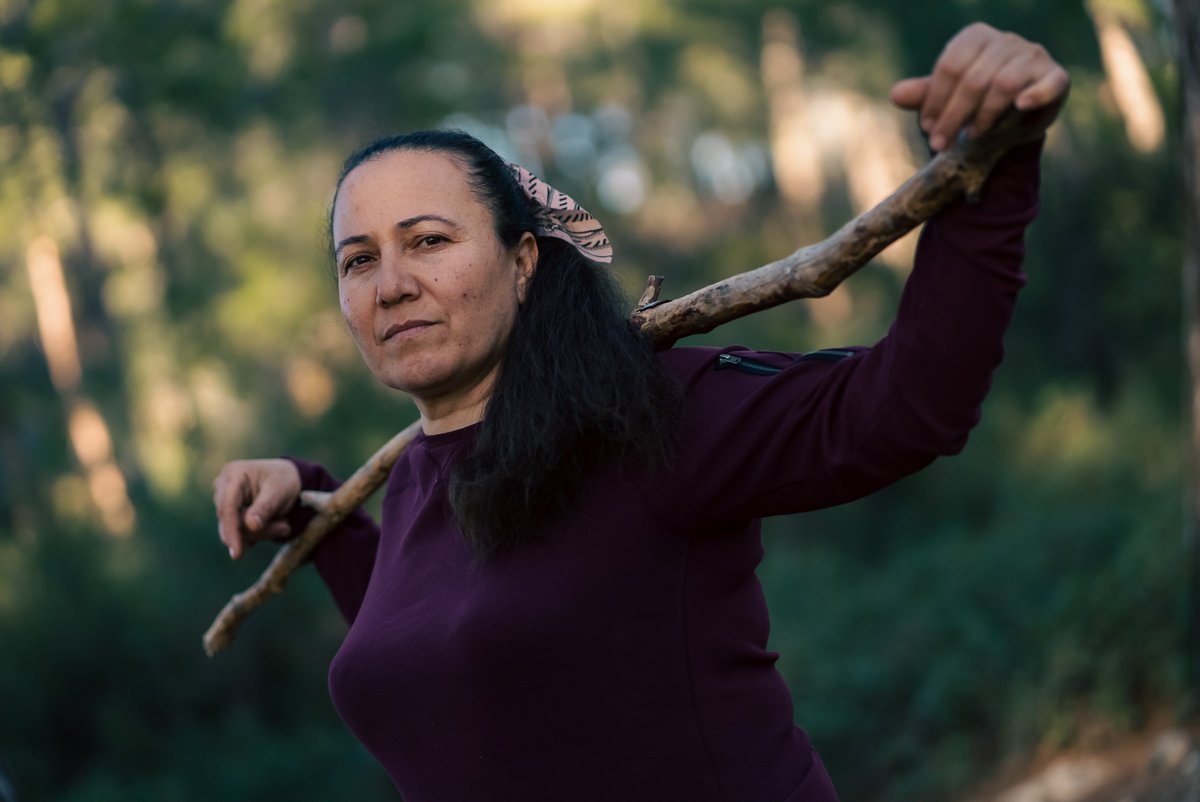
[527, 259]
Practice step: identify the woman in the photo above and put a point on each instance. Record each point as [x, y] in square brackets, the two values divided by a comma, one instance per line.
[561, 603]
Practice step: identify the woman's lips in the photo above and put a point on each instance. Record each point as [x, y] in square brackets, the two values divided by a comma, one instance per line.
[400, 329]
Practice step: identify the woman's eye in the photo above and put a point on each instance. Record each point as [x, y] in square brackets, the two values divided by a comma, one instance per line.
[355, 261]
[431, 240]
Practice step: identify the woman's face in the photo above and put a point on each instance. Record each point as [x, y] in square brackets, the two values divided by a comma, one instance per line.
[428, 291]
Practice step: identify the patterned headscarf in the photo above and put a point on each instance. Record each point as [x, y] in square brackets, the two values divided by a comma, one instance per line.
[558, 215]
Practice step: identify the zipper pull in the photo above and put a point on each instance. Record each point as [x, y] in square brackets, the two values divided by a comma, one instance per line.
[744, 365]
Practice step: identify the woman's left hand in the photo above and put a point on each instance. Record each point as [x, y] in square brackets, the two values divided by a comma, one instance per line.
[980, 73]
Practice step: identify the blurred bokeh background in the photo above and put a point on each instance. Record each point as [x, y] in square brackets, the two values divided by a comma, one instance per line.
[167, 304]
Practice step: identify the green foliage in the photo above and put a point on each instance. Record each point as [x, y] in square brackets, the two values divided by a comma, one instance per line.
[1025, 595]
[107, 694]
[926, 640]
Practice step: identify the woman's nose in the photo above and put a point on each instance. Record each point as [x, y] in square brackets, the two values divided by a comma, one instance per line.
[396, 282]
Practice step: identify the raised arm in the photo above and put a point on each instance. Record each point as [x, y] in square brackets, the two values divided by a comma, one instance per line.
[810, 432]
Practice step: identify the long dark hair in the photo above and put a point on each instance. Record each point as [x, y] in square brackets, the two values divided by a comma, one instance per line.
[578, 386]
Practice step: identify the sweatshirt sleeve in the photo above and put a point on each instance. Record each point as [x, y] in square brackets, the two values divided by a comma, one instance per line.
[346, 556]
[767, 434]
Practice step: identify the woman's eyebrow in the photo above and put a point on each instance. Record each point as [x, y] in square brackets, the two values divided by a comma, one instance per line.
[409, 222]
[357, 238]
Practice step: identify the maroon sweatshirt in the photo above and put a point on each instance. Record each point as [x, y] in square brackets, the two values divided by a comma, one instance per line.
[625, 656]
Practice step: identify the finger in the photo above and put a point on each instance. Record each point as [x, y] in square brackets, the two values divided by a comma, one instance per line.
[969, 93]
[276, 530]
[1008, 83]
[274, 497]
[272, 530]
[994, 104]
[910, 93]
[1050, 89]
[229, 498]
[952, 65]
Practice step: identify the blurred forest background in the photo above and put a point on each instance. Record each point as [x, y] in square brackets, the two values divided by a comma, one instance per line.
[167, 304]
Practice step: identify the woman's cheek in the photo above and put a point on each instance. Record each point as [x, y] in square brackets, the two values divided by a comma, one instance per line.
[348, 316]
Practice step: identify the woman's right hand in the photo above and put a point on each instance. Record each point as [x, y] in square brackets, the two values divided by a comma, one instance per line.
[979, 75]
[253, 498]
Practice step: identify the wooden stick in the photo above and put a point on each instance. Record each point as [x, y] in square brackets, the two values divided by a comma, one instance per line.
[814, 271]
[810, 272]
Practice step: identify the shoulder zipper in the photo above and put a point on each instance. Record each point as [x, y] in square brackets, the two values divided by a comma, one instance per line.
[755, 368]
[744, 365]
[828, 354]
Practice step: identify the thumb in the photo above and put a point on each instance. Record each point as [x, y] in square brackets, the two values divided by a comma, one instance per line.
[273, 499]
[910, 93]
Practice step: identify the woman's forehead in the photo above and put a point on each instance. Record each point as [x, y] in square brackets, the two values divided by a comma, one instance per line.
[402, 184]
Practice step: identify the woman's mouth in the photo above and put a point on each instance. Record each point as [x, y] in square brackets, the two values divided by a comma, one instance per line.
[401, 329]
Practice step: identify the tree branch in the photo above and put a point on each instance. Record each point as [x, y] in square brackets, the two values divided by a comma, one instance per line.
[816, 270]
[811, 272]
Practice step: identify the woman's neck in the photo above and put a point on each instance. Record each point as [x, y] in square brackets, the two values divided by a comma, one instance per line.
[448, 413]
